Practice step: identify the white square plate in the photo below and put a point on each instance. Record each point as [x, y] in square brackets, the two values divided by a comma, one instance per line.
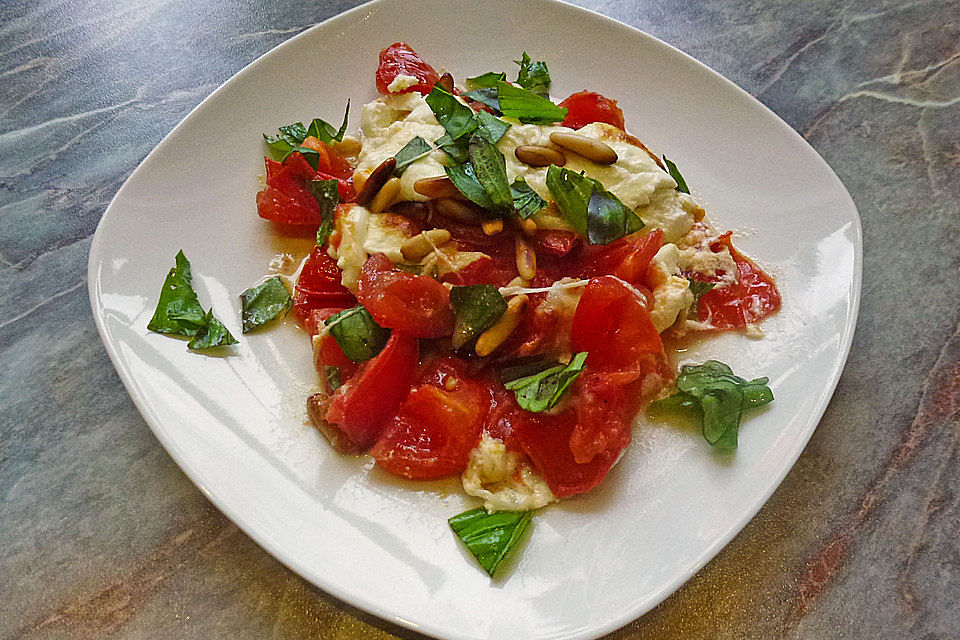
[236, 424]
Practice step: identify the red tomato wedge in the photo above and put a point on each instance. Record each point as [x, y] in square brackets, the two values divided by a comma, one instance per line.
[287, 198]
[319, 286]
[330, 162]
[613, 325]
[750, 299]
[399, 59]
[627, 258]
[362, 408]
[418, 305]
[555, 242]
[585, 107]
[329, 353]
[436, 426]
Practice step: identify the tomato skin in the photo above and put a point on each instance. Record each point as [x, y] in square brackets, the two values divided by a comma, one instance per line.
[398, 59]
[328, 353]
[361, 409]
[418, 305]
[626, 258]
[330, 162]
[555, 242]
[287, 198]
[319, 286]
[585, 107]
[436, 427]
[614, 326]
[751, 299]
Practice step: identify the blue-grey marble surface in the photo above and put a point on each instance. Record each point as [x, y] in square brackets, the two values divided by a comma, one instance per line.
[102, 536]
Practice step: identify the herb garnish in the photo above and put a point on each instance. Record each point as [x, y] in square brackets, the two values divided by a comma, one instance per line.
[712, 390]
[488, 79]
[292, 136]
[543, 390]
[476, 308]
[332, 375]
[589, 208]
[675, 174]
[491, 170]
[490, 127]
[411, 152]
[533, 76]
[211, 334]
[357, 333]
[487, 96]
[526, 106]
[490, 537]
[267, 301]
[327, 196]
[456, 118]
[526, 201]
[699, 288]
[463, 176]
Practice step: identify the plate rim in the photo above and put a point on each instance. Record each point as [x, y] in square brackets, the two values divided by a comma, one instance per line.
[357, 600]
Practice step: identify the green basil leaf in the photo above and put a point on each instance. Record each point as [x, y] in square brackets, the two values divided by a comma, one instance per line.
[212, 334]
[543, 390]
[282, 145]
[572, 192]
[325, 132]
[457, 118]
[358, 335]
[526, 201]
[487, 96]
[526, 367]
[328, 197]
[698, 288]
[526, 106]
[490, 127]
[310, 155]
[456, 149]
[476, 308]
[332, 374]
[533, 76]
[720, 398]
[178, 311]
[608, 219]
[490, 167]
[411, 152]
[490, 537]
[295, 131]
[265, 302]
[466, 181]
[675, 174]
[488, 79]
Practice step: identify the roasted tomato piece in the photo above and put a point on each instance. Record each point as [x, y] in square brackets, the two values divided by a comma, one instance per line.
[327, 353]
[585, 107]
[556, 242]
[627, 258]
[418, 305]
[287, 198]
[750, 299]
[361, 408]
[613, 325]
[399, 59]
[605, 407]
[330, 161]
[319, 286]
[436, 427]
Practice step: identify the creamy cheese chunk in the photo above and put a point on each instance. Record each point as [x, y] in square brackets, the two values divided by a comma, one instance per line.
[361, 234]
[503, 480]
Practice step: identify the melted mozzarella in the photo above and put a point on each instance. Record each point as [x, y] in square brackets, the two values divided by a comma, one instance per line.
[503, 479]
[361, 234]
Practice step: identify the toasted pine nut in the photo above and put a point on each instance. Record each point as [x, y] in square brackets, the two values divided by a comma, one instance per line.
[528, 226]
[376, 180]
[446, 81]
[537, 156]
[450, 383]
[439, 187]
[599, 152]
[457, 210]
[415, 210]
[518, 282]
[493, 337]
[388, 193]
[492, 227]
[423, 243]
[698, 214]
[526, 259]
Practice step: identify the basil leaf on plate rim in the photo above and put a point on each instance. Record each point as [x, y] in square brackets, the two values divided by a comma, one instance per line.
[490, 537]
[263, 303]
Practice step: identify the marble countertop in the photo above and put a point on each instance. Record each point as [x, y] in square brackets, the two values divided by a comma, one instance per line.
[102, 536]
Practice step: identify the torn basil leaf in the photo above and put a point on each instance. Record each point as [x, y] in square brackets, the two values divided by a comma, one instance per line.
[358, 335]
[526, 106]
[675, 174]
[212, 334]
[720, 398]
[466, 181]
[456, 149]
[178, 311]
[324, 131]
[571, 191]
[525, 367]
[310, 155]
[490, 167]
[476, 308]
[608, 219]
[490, 127]
[457, 118]
[698, 288]
[543, 390]
[292, 136]
[263, 303]
[490, 537]
[533, 76]
[526, 201]
[487, 96]
[488, 79]
[328, 197]
[411, 152]
[332, 374]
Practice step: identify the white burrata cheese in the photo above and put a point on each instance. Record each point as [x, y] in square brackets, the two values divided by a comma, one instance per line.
[361, 234]
[503, 479]
[401, 82]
